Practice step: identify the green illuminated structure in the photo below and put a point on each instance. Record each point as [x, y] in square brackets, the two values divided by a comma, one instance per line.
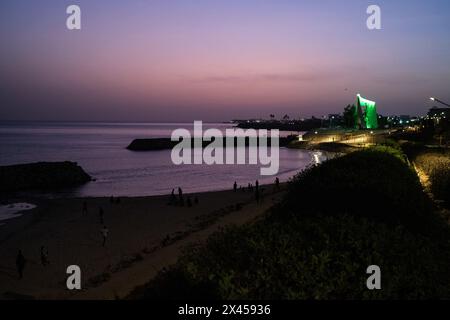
[365, 113]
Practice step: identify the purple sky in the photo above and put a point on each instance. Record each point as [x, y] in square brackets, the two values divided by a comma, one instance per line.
[219, 60]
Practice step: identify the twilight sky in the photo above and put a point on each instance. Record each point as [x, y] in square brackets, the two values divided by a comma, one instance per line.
[180, 60]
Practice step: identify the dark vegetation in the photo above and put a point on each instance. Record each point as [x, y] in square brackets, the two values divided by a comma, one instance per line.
[41, 175]
[335, 147]
[365, 208]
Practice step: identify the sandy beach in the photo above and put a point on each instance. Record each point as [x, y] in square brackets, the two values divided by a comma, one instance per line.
[145, 235]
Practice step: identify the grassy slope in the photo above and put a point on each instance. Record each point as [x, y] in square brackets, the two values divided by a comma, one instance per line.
[436, 164]
[338, 218]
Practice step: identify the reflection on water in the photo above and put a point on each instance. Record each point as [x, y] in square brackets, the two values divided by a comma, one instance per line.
[319, 157]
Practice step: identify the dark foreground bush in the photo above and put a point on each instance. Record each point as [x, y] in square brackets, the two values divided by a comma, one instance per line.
[337, 219]
[375, 183]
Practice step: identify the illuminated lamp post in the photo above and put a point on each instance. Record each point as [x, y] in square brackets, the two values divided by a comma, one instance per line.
[440, 101]
[445, 104]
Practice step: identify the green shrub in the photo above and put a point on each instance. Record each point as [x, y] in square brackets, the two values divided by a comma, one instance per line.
[392, 143]
[368, 183]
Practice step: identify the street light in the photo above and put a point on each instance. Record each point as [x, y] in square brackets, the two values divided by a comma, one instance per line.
[440, 101]
[445, 104]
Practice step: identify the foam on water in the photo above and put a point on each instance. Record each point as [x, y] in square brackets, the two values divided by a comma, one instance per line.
[12, 210]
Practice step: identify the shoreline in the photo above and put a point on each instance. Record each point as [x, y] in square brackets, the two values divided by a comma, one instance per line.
[145, 235]
[136, 181]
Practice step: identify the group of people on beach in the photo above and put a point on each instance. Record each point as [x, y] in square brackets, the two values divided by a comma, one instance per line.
[256, 188]
[21, 261]
[179, 200]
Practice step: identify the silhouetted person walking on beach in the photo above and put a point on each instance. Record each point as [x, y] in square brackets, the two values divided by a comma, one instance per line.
[20, 263]
[104, 232]
[85, 210]
[257, 185]
[173, 198]
[180, 197]
[277, 183]
[44, 256]
[101, 214]
[235, 186]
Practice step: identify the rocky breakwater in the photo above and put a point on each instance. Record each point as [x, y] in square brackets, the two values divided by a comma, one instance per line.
[41, 175]
[152, 144]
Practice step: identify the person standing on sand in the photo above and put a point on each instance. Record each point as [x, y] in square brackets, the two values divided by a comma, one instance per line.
[257, 185]
[235, 186]
[180, 197]
[277, 183]
[20, 263]
[85, 210]
[172, 199]
[104, 232]
[44, 256]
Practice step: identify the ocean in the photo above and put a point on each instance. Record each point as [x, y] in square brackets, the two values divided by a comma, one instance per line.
[100, 148]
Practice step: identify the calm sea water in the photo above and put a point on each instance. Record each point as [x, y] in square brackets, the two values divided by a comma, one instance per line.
[100, 148]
